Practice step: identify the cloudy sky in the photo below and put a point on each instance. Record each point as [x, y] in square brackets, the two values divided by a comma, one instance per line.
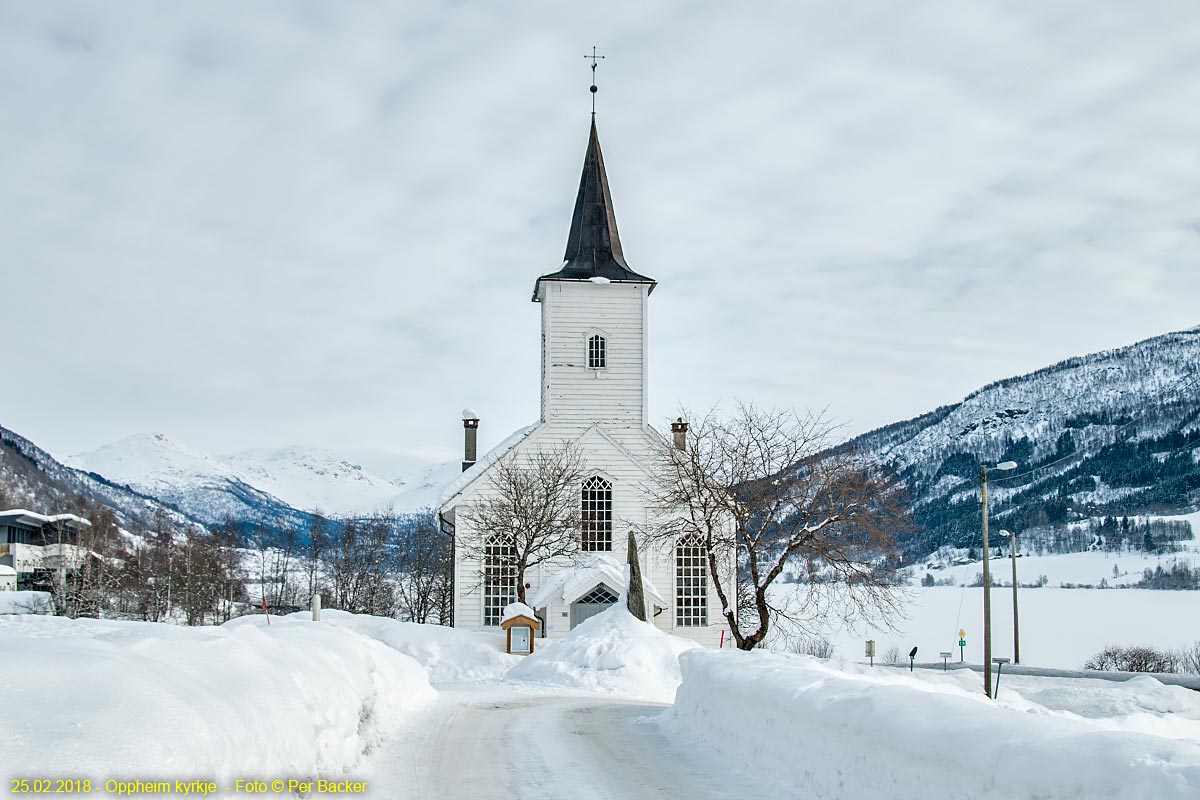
[258, 224]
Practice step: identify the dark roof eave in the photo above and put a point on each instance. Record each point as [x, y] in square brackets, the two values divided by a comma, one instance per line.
[555, 277]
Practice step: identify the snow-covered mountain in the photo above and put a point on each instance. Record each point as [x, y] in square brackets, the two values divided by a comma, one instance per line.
[241, 484]
[1115, 432]
[32, 478]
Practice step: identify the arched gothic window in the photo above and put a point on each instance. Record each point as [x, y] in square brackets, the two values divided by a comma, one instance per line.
[597, 354]
[691, 583]
[596, 514]
[499, 578]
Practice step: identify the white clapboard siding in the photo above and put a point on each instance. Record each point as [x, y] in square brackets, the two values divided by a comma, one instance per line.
[574, 394]
[605, 414]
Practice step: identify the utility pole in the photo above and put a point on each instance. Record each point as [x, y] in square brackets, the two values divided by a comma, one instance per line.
[987, 578]
[1012, 538]
[987, 589]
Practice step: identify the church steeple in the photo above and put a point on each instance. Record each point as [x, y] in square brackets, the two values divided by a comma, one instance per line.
[593, 245]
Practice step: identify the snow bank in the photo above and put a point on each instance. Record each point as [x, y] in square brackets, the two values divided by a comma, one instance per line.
[614, 653]
[862, 733]
[26, 603]
[447, 654]
[115, 699]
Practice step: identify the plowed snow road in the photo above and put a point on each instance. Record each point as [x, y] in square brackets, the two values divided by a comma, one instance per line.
[504, 741]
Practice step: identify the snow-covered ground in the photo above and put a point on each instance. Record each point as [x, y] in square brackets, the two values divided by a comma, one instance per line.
[1086, 568]
[846, 731]
[448, 655]
[350, 697]
[613, 653]
[25, 603]
[112, 700]
[1059, 627]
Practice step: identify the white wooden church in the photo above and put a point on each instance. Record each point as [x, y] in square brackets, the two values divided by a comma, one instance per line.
[594, 367]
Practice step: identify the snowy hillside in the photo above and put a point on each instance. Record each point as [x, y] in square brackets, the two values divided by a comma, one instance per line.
[239, 485]
[31, 477]
[1116, 432]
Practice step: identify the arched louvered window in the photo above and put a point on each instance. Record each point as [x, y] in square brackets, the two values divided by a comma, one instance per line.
[597, 355]
[691, 583]
[499, 578]
[596, 514]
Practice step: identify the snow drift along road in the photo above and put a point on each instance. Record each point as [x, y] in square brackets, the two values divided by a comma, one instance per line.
[861, 733]
[106, 699]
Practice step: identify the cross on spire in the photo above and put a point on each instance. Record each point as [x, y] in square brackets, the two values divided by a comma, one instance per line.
[595, 62]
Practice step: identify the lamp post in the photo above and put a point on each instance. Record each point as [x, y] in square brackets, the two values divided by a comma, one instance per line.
[987, 579]
[1012, 552]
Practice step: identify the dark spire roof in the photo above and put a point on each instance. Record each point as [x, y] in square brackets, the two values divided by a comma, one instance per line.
[593, 246]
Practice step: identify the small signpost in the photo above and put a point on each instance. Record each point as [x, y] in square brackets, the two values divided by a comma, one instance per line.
[999, 662]
[871, 651]
[945, 654]
[912, 657]
[962, 644]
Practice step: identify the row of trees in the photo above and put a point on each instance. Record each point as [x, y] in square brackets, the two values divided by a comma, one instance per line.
[386, 564]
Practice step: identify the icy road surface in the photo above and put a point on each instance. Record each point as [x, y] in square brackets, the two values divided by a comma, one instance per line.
[514, 741]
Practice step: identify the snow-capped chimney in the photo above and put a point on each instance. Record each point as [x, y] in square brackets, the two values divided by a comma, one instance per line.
[470, 430]
[679, 430]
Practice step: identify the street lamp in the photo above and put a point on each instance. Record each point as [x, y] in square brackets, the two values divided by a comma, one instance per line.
[987, 579]
[1012, 552]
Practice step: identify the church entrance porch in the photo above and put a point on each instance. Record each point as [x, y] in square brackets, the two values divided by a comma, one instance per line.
[592, 603]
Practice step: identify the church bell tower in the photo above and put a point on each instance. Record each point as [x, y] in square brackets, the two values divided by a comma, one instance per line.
[594, 316]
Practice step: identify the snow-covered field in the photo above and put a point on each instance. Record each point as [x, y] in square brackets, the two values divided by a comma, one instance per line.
[1059, 627]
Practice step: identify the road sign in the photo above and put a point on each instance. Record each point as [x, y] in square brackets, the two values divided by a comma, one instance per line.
[962, 642]
[962, 634]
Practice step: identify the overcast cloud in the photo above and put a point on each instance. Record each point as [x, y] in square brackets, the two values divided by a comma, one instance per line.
[256, 224]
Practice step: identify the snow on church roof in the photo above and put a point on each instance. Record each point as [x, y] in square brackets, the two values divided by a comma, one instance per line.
[573, 583]
[462, 481]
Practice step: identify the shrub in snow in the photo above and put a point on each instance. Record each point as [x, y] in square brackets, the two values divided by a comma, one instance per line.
[1132, 659]
[857, 732]
[109, 699]
[1188, 658]
[613, 652]
[26, 603]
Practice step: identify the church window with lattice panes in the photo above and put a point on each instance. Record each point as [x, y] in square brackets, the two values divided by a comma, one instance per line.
[597, 352]
[596, 514]
[499, 578]
[691, 583]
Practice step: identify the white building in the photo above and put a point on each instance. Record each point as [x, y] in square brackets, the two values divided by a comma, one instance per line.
[594, 365]
[37, 547]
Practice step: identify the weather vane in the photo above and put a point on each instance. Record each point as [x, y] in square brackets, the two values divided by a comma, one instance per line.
[595, 61]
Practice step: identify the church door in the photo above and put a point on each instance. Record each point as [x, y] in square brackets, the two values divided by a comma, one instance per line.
[592, 604]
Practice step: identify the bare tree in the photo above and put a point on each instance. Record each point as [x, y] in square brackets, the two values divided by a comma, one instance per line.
[318, 539]
[531, 505]
[361, 565]
[770, 487]
[425, 564]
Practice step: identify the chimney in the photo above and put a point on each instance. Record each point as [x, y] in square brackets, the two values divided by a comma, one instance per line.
[679, 430]
[470, 431]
